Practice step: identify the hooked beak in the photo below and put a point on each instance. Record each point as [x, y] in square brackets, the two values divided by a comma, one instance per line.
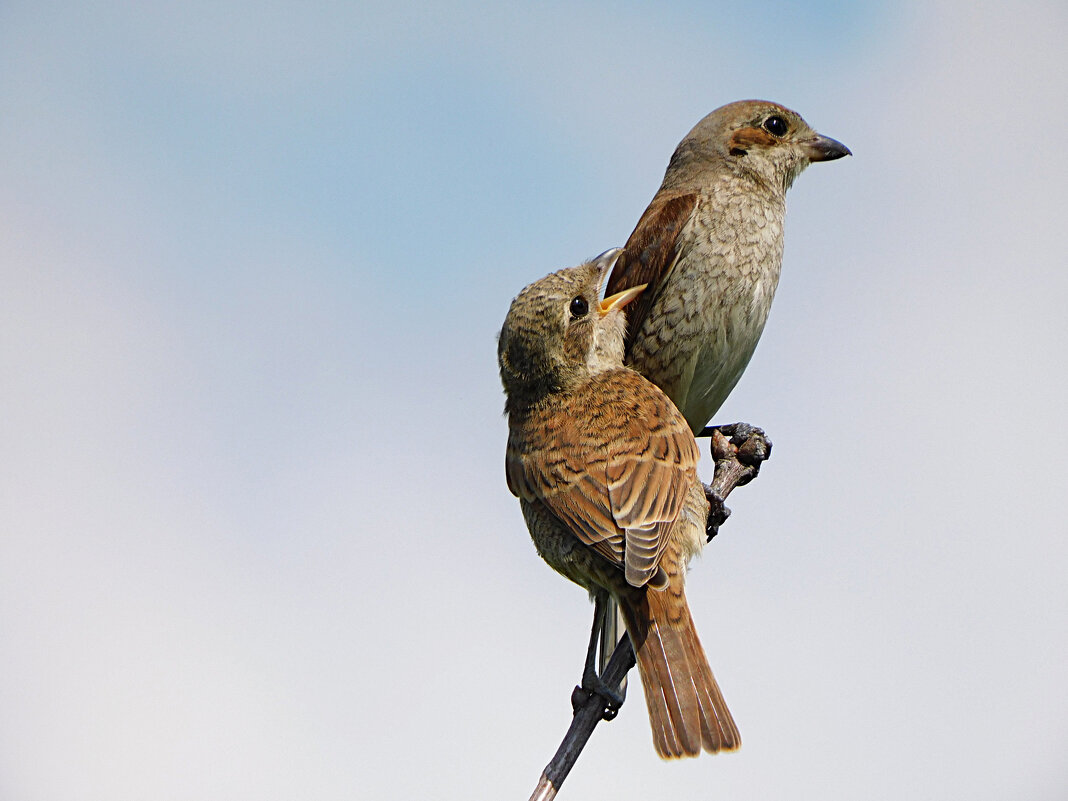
[621, 299]
[823, 148]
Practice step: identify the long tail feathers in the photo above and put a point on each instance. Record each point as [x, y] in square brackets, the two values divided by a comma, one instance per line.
[686, 709]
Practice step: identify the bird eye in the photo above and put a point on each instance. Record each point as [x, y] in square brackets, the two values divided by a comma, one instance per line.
[776, 125]
[579, 306]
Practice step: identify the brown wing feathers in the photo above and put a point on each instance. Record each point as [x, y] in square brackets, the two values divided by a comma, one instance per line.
[611, 488]
[650, 254]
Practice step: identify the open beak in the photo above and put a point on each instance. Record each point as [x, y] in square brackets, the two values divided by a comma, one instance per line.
[823, 148]
[621, 299]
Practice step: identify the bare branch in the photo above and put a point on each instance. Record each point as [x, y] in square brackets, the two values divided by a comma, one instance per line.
[589, 711]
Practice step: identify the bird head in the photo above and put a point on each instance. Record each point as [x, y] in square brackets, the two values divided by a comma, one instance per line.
[558, 332]
[756, 138]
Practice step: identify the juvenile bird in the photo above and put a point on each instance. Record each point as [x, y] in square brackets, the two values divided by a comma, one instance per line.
[709, 248]
[605, 468]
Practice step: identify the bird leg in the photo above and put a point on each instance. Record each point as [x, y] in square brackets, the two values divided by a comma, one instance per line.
[592, 683]
[737, 460]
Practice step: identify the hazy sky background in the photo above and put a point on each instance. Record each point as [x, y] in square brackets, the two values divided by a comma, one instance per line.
[255, 540]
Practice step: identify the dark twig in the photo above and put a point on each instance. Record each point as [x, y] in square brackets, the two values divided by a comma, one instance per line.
[589, 711]
[737, 461]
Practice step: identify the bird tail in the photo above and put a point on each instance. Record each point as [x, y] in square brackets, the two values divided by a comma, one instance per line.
[686, 709]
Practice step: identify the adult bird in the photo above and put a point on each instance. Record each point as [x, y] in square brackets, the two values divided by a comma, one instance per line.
[709, 249]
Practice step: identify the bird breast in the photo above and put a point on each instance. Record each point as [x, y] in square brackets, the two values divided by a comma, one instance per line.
[704, 326]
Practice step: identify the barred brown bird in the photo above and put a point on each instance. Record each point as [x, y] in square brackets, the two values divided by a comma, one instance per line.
[709, 248]
[605, 468]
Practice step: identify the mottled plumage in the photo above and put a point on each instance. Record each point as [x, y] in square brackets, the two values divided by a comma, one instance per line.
[709, 247]
[605, 468]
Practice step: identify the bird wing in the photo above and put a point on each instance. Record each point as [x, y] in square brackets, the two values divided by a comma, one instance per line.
[650, 255]
[616, 472]
[563, 469]
[649, 476]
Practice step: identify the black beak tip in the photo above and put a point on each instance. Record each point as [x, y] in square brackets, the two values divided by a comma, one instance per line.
[827, 149]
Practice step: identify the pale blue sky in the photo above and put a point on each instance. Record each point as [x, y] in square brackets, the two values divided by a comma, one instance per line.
[255, 540]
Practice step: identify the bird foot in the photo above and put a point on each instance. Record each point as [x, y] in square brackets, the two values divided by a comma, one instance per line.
[718, 512]
[592, 685]
[749, 443]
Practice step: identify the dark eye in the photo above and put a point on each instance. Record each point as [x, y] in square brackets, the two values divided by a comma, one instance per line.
[579, 306]
[776, 125]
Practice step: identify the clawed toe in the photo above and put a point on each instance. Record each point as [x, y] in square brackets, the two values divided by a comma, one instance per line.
[717, 512]
[751, 444]
[593, 685]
